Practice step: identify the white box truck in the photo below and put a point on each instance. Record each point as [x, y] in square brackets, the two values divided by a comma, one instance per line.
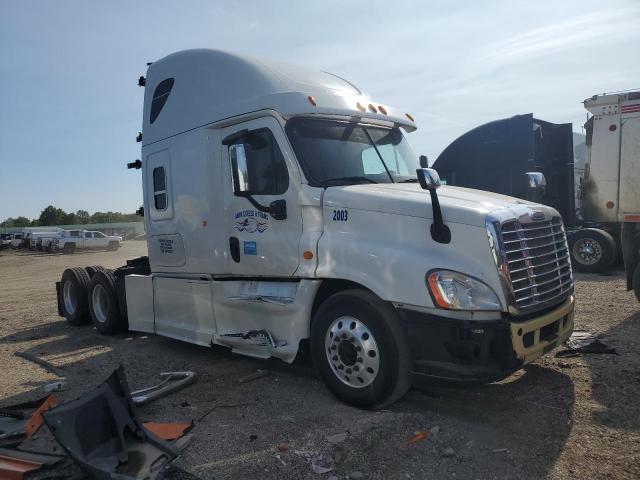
[610, 187]
[284, 207]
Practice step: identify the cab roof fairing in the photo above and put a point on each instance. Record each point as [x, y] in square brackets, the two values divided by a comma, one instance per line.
[211, 86]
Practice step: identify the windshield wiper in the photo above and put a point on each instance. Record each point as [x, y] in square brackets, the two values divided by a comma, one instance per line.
[409, 180]
[346, 181]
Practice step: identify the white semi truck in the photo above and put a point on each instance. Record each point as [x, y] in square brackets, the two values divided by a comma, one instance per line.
[284, 207]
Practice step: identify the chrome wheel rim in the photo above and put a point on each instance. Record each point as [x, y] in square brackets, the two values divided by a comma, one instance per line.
[352, 352]
[99, 303]
[70, 298]
[587, 251]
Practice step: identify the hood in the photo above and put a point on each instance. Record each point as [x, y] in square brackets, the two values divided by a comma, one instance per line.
[459, 205]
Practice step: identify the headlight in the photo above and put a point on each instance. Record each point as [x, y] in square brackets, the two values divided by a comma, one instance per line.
[455, 291]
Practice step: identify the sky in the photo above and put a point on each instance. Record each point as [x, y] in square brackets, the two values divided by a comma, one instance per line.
[70, 107]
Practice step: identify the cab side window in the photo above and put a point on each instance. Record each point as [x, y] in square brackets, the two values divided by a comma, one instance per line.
[159, 188]
[87, 234]
[265, 163]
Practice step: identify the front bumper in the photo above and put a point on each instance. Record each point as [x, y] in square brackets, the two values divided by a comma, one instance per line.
[472, 351]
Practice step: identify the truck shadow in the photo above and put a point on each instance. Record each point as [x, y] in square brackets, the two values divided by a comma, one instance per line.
[535, 404]
[615, 379]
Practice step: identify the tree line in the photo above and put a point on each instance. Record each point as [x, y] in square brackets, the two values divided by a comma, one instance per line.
[52, 216]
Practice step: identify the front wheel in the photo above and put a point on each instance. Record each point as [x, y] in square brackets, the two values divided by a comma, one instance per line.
[592, 250]
[361, 350]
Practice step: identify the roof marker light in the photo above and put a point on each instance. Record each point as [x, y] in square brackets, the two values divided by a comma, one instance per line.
[360, 107]
[373, 108]
[382, 109]
[312, 100]
[409, 116]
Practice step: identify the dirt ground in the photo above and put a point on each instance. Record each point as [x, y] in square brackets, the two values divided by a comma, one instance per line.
[558, 418]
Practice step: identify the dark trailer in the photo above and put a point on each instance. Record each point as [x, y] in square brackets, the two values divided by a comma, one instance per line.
[507, 156]
[496, 157]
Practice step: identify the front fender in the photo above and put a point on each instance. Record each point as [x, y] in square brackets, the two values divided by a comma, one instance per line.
[390, 254]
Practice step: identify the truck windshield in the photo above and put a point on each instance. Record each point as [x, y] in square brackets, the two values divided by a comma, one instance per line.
[334, 152]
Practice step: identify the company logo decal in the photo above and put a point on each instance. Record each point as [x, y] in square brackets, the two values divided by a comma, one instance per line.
[252, 221]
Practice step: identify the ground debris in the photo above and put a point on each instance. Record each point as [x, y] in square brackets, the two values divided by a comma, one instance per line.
[337, 438]
[581, 342]
[448, 452]
[253, 376]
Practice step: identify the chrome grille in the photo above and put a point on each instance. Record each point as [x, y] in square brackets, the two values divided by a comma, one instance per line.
[537, 260]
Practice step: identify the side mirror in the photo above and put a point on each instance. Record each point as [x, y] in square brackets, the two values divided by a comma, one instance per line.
[428, 178]
[424, 161]
[537, 184]
[239, 169]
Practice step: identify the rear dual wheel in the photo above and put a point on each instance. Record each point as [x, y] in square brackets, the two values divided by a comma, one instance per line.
[89, 294]
[592, 250]
[361, 350]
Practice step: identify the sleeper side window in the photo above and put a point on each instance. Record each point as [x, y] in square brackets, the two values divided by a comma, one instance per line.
[159, 188]
[160, 96]
[265, 164]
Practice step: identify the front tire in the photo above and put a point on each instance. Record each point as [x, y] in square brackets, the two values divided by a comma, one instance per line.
[592, 250]
[360, 349]
[113, 246]
[103, 303]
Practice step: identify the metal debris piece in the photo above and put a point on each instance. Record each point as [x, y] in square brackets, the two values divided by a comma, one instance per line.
[172, 382]
[337, 438]
[101, 433]
[168, 431]
[16, 464]
[35, 422]
[253, 376]
[418, 437]
[319, 469]
[18, 421]
[58, 386]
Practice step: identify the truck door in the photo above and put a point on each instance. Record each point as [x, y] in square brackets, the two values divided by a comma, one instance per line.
[261, 243]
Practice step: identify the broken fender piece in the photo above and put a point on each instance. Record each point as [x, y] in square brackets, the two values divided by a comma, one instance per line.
[172, 382]
[101, 433]
[36, 420]
[168, 431]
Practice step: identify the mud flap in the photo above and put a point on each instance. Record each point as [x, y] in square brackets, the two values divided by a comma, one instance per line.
[59, 295]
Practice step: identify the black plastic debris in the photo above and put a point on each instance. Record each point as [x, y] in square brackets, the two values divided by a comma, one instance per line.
[584, 342]
[101, 432]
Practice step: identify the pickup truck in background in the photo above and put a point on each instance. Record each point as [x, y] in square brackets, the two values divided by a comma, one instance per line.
[68, 241]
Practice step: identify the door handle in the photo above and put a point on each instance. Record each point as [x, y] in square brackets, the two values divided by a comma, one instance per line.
[234, 248]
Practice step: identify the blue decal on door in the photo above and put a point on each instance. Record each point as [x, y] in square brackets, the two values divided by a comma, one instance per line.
[250, 248]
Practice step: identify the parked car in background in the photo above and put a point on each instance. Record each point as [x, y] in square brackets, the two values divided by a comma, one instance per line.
[5, 240]
[69, 241]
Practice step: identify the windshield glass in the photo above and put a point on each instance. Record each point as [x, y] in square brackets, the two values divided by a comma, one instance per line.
[334, 152]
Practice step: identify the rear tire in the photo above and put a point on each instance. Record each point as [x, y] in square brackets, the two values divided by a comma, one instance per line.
[361, 350]
[93, 269]
[103, 303]
[636, 282]
[113, 246]
[74, 286]
[69, 248]
[592, 250]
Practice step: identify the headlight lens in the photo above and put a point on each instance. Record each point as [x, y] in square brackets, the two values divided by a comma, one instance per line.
[455, 291]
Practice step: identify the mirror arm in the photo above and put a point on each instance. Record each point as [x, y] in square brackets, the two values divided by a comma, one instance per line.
[277, 209]
[439, 231]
